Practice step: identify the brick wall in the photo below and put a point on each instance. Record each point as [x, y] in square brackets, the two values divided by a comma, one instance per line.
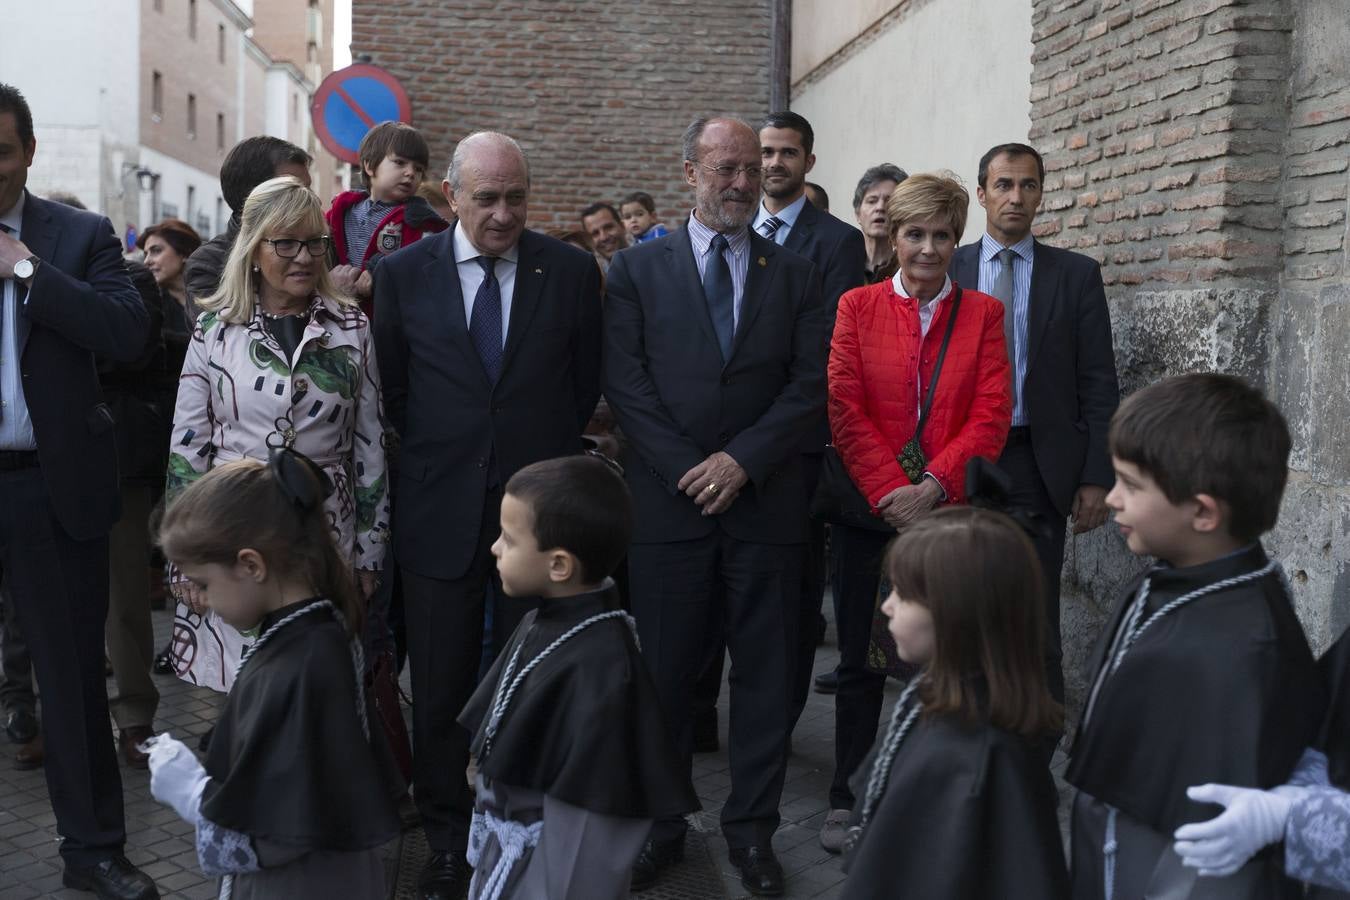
[596, 92]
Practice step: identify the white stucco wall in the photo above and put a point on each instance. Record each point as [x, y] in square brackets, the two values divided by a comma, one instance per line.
[175, 178]
[946, 82]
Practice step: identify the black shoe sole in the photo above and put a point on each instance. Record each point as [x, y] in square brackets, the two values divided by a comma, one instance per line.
[78, 882]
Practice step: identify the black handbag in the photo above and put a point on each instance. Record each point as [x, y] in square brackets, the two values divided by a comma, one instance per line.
[837, 499]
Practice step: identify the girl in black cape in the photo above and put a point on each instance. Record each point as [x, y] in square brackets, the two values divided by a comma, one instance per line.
[295, 798]
[955, 801]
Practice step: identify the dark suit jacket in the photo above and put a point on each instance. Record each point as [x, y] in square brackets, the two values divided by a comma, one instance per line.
[840, 256]
[677, 402]
[80, 303]
[460, 434]
[1070, 391]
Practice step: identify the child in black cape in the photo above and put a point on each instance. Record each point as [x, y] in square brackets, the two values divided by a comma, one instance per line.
[295, 798]
[955, 801]
[1203, 673]
[1310, 813]
[573, 759]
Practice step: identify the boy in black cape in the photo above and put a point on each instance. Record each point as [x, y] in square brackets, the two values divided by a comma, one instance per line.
[1203, 673]
[573, 759]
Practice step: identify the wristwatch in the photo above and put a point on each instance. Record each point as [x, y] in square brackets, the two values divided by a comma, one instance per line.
[24, 268]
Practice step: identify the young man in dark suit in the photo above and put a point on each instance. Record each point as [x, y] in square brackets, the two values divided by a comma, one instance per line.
[64, 296]
[1064, 367]
[488, 339]
[715, 344]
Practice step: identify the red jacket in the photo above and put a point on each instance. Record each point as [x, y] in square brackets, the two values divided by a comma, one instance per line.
[874, 387]
[404, 224]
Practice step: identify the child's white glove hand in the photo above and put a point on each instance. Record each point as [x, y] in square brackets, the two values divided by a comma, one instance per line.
[177, 779]
[1252, 820]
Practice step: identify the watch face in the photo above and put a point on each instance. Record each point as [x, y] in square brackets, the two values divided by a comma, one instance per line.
[23, 268]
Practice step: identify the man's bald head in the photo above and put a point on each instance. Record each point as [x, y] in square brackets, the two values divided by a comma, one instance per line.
[722, 164]
[480, 145]
[488, 187]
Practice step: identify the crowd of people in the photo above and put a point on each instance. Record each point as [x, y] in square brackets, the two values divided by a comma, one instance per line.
[564, 484]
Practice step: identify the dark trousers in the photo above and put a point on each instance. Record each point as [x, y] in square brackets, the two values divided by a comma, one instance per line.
[681, 591]
[59, 588]
[445, 645]
[16, 666]
[1029, 493]
[857, 556]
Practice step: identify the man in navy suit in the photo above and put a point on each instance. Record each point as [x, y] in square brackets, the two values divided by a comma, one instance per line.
[66, 297]
[488, 340]
[1064, 368]
[715, 342]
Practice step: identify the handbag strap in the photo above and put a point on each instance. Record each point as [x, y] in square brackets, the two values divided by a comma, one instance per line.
[937, 369]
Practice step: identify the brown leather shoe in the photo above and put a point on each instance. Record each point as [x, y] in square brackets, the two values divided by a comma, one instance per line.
[127, 742]
[30, 755]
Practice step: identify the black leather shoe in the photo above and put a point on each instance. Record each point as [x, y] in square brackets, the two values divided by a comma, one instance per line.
[760, 872]
[112, 879]
[705, 731]
[827, 682]
[655, 856]
[21, 726]
[446, 877]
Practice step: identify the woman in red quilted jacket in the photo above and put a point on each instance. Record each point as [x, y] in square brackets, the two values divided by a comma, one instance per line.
[886, 342]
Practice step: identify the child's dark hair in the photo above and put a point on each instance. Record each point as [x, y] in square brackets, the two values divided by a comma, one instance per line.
[580, 505]
[1209, 434]
[392, 139]
[977, 574]
[275, 508]
[640, 197]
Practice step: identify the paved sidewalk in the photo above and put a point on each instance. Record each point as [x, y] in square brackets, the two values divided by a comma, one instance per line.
[161, 844]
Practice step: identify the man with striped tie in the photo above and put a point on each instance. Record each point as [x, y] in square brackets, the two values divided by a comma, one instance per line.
[1064, 368]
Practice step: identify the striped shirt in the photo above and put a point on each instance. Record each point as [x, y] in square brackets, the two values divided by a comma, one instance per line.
[1024, 253]
[359, 224]
[737, 256]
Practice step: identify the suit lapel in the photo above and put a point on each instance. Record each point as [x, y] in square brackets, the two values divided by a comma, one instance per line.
[800, 234]
[684, 275]
[440, 284]
[966, 267]
[530, 274]
[1041, 301]
[758, 277]
[41, 236]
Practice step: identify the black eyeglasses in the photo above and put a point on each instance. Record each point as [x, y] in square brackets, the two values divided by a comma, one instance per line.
[289, 248]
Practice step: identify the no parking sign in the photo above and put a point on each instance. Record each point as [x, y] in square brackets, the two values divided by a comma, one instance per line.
[352, 101]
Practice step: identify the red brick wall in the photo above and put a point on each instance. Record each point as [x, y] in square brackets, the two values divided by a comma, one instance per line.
[597, 93]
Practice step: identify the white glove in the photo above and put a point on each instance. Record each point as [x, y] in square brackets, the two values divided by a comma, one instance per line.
[177, 779]
[1252, 820]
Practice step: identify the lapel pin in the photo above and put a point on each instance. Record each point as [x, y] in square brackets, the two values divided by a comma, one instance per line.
[539, 271]
[763, 261]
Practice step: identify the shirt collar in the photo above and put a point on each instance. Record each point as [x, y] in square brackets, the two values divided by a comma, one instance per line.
[14, 218]
[787, 215]
[701, 236]
[899, 287]
[989, 247]
[465, 251]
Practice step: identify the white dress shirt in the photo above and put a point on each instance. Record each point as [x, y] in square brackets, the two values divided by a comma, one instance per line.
[16, 428]
[471, 276]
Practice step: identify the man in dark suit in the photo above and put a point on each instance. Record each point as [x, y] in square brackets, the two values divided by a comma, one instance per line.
[488, 339]
[715, 342]
[1064, 367]
[66, 296]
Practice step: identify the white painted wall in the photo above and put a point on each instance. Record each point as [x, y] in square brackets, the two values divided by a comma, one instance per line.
[174, 181]
[947, 82]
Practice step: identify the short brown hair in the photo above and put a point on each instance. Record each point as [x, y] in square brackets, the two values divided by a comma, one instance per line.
[977, 574]
[1209, 434]
[931, 195]
[179, 235]
[392, 139]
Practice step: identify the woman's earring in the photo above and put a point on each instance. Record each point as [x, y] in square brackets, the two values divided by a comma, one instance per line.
[256, 270]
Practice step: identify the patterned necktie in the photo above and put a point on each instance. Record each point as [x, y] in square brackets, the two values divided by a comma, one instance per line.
[720, 294]
[769, 227]
[485, 324]
[1003, 290]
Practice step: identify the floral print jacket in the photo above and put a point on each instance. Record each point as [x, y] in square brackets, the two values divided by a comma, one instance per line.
[240, 397]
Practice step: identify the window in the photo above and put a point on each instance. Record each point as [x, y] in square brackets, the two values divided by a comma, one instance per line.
[192, 19]
[220, 44]
[157, 96]
[192, 116]
[220, 131]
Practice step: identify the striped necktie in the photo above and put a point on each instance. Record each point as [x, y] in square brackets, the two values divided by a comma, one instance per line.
[769, 227]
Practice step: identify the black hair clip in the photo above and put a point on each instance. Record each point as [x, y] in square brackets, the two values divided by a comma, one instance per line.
[288, 471]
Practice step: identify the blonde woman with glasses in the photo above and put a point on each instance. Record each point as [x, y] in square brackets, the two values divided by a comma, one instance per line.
[279, 358]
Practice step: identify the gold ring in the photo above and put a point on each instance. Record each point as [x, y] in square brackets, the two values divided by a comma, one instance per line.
[712, 487]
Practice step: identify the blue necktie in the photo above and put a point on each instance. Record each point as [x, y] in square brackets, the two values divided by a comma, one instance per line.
[485, 324]
[769, 227]
[720, 294]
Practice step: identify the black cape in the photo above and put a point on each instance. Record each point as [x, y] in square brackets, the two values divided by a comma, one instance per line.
[585, 726]
[288, 761]
[1334, 740]
[969, 812]
[1221, 690]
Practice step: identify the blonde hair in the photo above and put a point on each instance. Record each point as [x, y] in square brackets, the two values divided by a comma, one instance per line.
[278, 204]
[932, 195]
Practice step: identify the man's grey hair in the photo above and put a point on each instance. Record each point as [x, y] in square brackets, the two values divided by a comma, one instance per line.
[455, 172]
[874, 176]
[694, 133]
